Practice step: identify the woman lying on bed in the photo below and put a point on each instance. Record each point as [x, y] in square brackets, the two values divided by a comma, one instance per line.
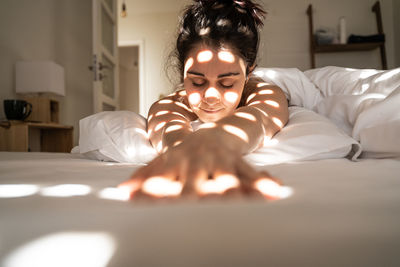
[216, 52]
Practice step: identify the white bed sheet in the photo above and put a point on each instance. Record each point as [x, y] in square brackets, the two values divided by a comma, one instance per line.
[341, 213]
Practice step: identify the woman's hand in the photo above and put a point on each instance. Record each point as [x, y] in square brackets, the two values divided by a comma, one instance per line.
[202, 165]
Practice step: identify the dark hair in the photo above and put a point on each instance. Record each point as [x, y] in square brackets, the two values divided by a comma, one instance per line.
[218, 23]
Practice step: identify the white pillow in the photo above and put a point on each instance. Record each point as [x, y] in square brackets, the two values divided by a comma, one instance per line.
[307, 136]
[120, 136]
[364, 103]
[115, 136]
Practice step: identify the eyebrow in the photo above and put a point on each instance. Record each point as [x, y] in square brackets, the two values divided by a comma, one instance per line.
[219, 76]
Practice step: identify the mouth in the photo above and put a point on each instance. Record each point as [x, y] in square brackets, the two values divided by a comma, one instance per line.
[211, 111]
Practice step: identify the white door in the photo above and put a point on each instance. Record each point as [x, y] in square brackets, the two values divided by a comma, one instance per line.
[105, 56]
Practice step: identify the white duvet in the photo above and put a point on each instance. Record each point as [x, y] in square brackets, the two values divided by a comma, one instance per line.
[335, 112]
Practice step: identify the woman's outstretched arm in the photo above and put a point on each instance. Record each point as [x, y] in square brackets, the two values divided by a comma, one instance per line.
[214, 151]
[168, 121]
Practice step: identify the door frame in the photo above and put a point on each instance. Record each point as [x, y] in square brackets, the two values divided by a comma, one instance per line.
[99, 50]
[142, 84]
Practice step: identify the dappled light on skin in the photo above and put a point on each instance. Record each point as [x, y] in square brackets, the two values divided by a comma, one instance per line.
[262, 111]
[66, 190]
[178, 120]
[226, 56]
[208, 125]
[173, 128]
[164, 149]
[217, 185]
[212, 93]
[194, 98]
[231, 97]
[159, 126]
[266, 92]
[159, 146]
[255, 103]
[271, 189]
[150, 117]
[204, 56]
[183, 106]
[78, 249]
[262, 84]
[165, 101]
[188, 65]
[17, 190]
[177, 143]
[120, 193]
[161, 187]
[251, 97]
[272, 103]
[278, 122]
[237, 132]
[162, 112]
[245, 116]
[179, 114]
[172, 94]
[182, 93]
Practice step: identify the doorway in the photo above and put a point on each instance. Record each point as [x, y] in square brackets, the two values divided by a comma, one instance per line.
[131, 76]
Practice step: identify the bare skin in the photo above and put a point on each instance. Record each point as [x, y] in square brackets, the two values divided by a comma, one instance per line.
[214, 85]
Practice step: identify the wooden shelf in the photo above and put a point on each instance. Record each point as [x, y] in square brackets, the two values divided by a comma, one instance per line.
[35, 137]
[337, 48]
[331, 48]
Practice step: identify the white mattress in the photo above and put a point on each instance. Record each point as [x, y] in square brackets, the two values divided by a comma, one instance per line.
[341, 213]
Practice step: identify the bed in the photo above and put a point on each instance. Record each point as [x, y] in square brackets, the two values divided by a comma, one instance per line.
[61, 209]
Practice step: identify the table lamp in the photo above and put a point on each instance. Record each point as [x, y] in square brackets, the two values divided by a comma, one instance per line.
[39, 82]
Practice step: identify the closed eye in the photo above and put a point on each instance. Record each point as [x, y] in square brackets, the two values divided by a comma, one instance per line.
[198, 84]
[226, 85]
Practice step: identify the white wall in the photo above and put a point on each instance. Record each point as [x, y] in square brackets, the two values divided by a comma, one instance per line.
[57, 30]
[157, 32]
[284, 40]
[129, 78]
[396, 26]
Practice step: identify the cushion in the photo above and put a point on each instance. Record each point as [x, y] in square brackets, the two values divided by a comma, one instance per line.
[120, 136]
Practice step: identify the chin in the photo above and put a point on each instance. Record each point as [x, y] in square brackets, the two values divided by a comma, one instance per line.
[211, 118]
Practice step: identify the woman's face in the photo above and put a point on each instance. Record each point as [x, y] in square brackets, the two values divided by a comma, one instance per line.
[214, 81]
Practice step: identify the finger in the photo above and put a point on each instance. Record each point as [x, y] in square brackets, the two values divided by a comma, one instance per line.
[247, 176]
[191, 178]
[220, 182]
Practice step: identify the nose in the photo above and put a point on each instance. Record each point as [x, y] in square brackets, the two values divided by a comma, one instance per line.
[212, 96]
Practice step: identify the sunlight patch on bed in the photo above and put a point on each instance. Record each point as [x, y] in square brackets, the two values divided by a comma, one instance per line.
[17, 190]
[66, 190]
[272, 189]
[114, 193]
[89, 249]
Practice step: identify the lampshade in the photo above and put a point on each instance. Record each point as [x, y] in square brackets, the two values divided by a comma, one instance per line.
[39, 77]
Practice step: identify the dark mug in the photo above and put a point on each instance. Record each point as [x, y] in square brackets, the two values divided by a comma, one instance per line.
[17, 109]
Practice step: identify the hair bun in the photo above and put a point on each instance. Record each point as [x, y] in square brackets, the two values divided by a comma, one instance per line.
[244, 6]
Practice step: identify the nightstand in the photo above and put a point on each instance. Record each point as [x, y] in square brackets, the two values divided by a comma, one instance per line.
[35, 137]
